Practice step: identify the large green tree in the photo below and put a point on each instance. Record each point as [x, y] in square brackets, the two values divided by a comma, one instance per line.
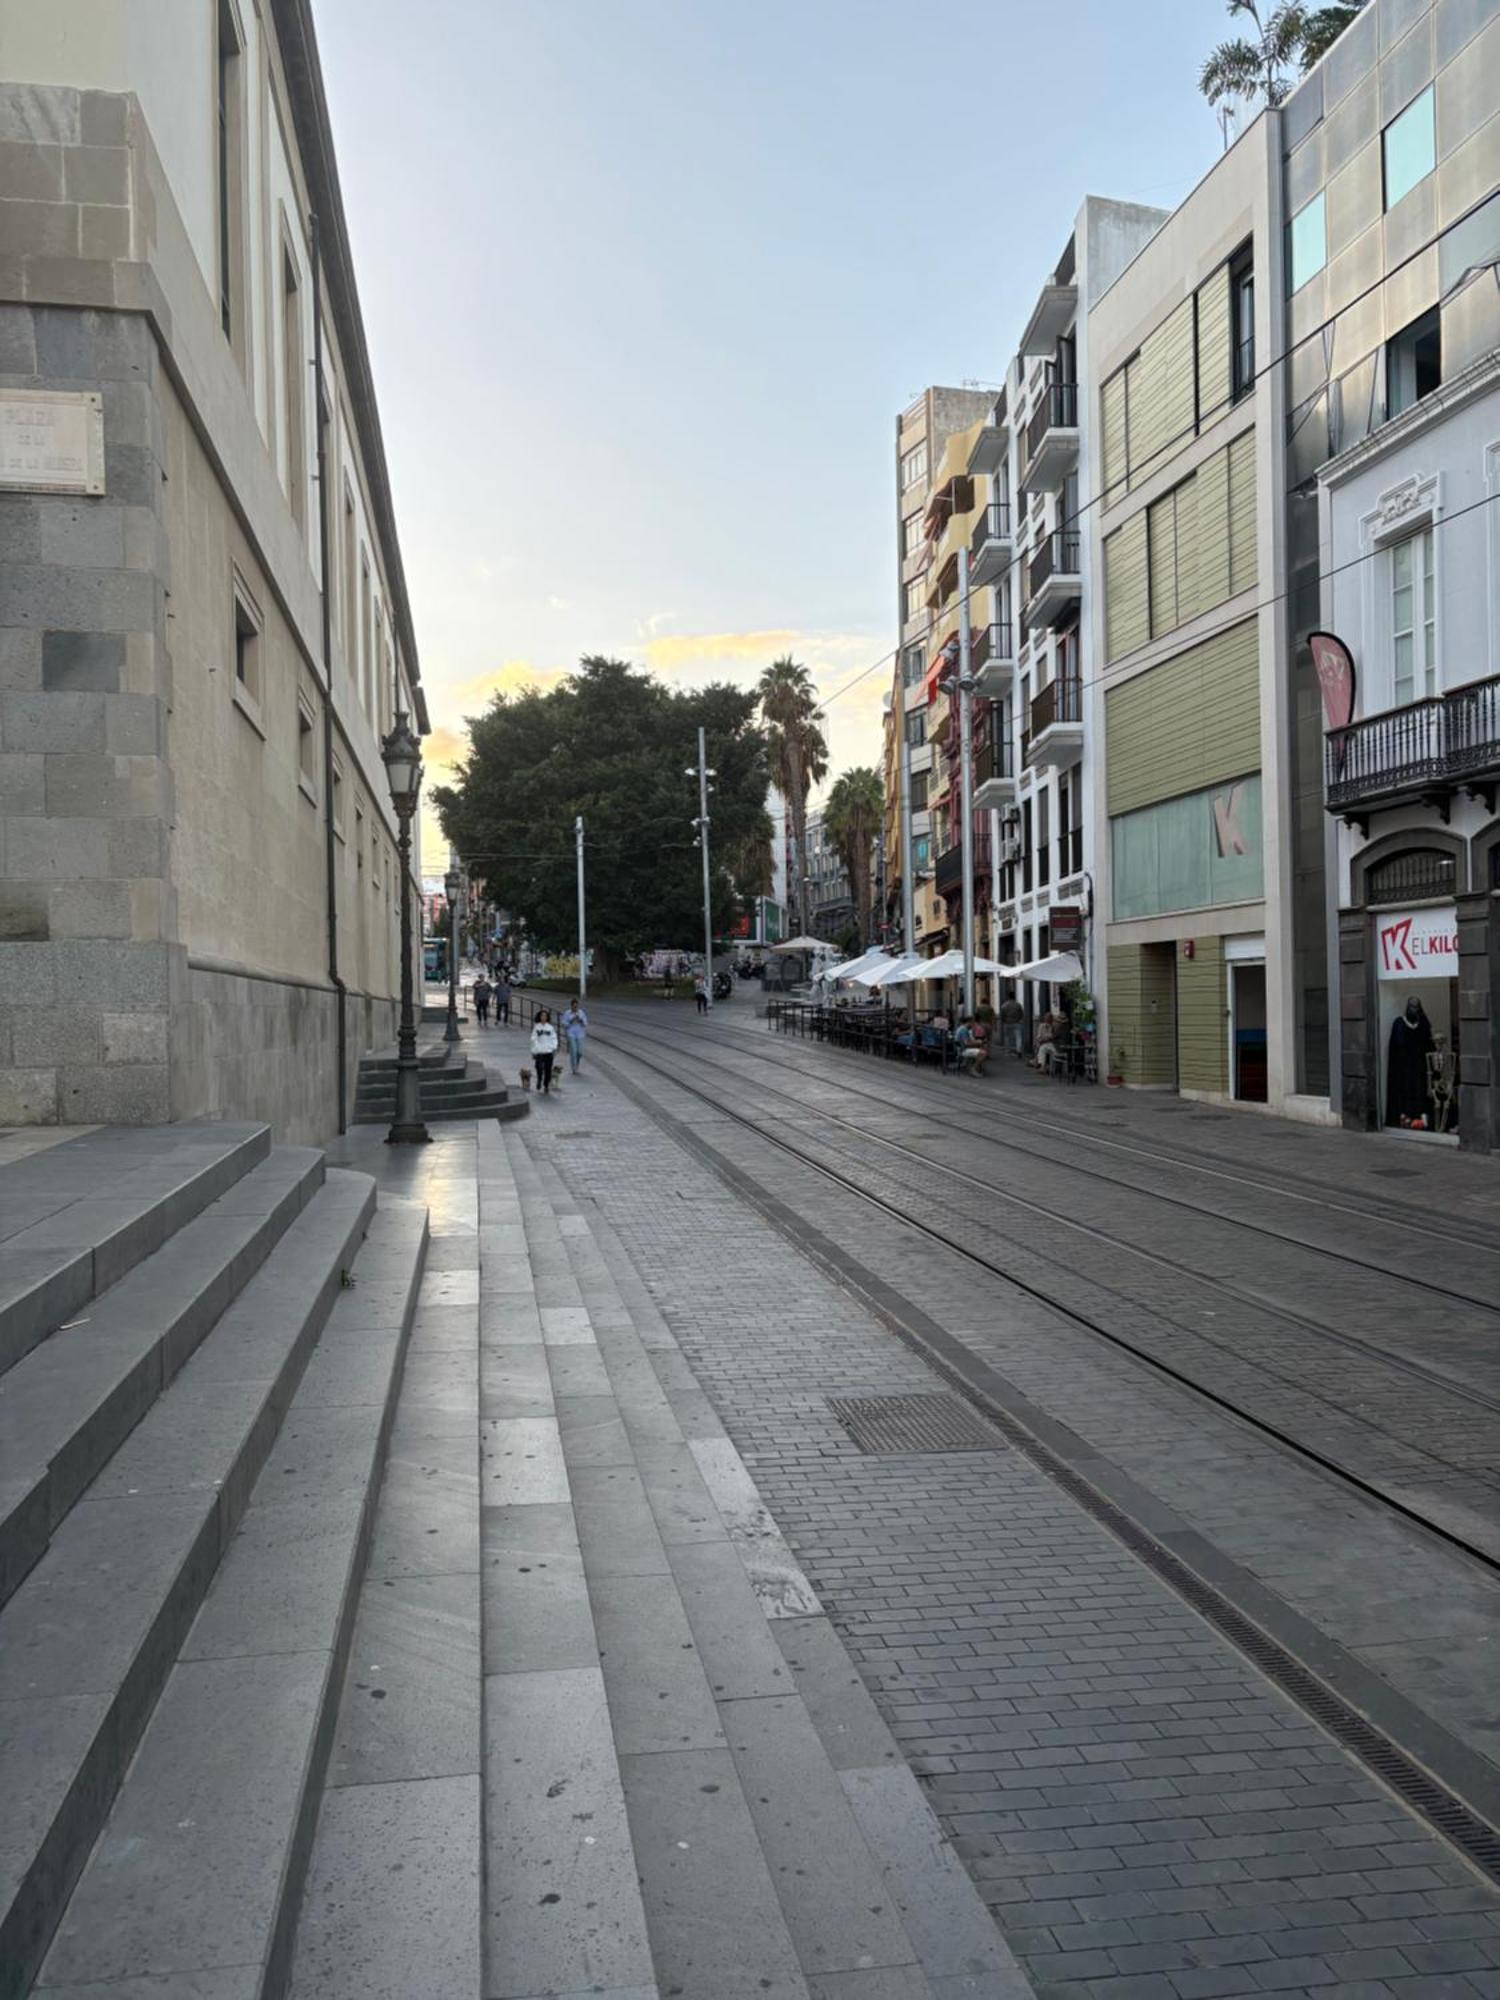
[1255, 66]
[614, 745]
[852, 816]
[799, 755]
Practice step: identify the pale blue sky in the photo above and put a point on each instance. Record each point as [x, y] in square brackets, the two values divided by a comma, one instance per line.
[646, 281]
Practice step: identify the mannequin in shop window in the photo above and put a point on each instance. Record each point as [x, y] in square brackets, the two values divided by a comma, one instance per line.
[1440, 1083]
[1406, 1075]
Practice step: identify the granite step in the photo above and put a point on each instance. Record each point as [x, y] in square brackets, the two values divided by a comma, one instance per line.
[89, 1638]
[75, 1398]
[197, 1877]
[75, 1219]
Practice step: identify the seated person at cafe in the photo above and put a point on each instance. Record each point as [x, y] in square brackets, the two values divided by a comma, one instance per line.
[973, 1039]
[1050, 1032]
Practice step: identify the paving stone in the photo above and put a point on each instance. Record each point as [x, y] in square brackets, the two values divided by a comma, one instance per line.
[693, 1834]
[562, 1906]
[679, 1499]
[831, 1889]
[432, 1524]
[392, 1894]
[513, 1382]
[616, 1528]
[592, 1431]
[659, 1698]
[521, 1461]
[411, 1691]
[734, 1639]
[850, 1727]
[537, 1613]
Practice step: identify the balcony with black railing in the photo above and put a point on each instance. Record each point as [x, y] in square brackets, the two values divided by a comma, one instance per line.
[990, 544]
[994, 770]
[1052, 437]
[1055, 739]
[992, 659]
[1053, 582]
[1426, 750]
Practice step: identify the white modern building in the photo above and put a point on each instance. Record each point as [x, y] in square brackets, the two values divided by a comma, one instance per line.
[1410, 556]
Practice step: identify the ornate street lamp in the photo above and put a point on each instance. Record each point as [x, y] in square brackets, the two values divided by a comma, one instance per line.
[401, 753]
[453, 884]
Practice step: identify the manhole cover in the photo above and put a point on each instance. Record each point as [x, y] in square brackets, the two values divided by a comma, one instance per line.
[893, 1424]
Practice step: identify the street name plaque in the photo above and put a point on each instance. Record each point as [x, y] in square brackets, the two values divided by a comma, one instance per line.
[51, 441]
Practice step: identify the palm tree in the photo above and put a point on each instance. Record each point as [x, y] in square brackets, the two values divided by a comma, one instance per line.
[798, 751]
[852, 817]
[1250, 68]
[1255, 68]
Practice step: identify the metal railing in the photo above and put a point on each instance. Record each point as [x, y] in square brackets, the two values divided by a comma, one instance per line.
[1059, 701]
[1435, 743]
[991, 642]
[993, 525]
[1057, 411]
[1058, 556]
[992, 759]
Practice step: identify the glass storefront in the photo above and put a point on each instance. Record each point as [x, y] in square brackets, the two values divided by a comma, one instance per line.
[1416, 967]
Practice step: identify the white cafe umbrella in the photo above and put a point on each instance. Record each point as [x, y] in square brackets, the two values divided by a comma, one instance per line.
[804, 944]
[853, 967]
[950, 965]
[896, 972]
[1059, 970]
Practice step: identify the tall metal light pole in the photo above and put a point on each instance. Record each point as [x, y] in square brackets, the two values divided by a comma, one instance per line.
[453, 884]
[703, 775]
[401, 754]
[966, 776]
[583, 955]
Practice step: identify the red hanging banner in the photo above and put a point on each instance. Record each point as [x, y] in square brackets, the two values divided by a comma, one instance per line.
[1336, 677]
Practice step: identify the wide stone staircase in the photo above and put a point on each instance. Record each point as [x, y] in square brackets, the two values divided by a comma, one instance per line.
[453, 1088]
[202, 1338]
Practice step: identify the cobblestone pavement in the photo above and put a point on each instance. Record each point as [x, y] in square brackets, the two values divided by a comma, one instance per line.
[1143, 1812]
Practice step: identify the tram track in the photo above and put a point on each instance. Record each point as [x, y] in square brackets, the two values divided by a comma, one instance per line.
[611, 1035]
[753, 1048]
[1438, 1777]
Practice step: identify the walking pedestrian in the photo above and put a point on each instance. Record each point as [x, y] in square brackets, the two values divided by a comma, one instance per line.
[482, 1001]
[1013, 1023]
[501, 997]
[575, 1023]
[543, 1049]
[700, 993]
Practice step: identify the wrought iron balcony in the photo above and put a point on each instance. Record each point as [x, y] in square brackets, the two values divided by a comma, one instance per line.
[1427, 750]
[990, 544]
[1052, 437]
[994, 771]
[948, 873]
[1053, 580]
[992, 659]
[1055, 739]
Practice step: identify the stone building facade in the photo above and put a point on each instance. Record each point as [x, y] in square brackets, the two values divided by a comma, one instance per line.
[203, 621]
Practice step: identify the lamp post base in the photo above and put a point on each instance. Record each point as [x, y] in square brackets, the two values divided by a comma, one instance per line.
[408, 1135]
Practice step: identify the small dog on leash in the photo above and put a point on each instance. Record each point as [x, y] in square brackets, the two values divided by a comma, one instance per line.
[526, 1079]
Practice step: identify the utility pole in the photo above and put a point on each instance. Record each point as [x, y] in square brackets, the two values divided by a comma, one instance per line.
[966, 776]
[903, 810]
[583, 956]
[703, 776]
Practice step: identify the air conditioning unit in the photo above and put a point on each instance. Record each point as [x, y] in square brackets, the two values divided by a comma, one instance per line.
[1011, 819]
[1010, 851]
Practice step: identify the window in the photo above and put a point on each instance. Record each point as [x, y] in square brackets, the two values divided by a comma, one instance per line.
[916, 727]
[292, 387]
[911, 534]
[1242, 323]
[1043, 838]
[1416, 874]
[1413, 363]
[367, 641]
[914, 664]
[245, 690]
[1413, 619]
[351, 613]
[359, 840]
[338, 798]
[1407, 150]
[231, 178]
[912, 599]
[913, 466]
[1026, 848]
[919, 791]
[306, 751]
[1307, 244]
[921, 853]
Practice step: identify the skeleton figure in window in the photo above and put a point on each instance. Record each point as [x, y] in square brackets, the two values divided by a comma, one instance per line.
[1440, 1082]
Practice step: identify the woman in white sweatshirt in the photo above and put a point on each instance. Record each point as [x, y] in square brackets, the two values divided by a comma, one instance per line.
[543, 1049]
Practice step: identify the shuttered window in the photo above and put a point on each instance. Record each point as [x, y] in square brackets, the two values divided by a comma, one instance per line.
[1112, 432]
[1214, 386]
[1242, 566]
[1187, 724]
[1125, 611]
[1160, 416]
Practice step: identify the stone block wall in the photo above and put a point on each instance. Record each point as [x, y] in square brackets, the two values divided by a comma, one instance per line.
[86, 916]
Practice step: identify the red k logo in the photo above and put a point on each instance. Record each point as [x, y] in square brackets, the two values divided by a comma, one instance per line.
[1396, 954]
[1227, 822]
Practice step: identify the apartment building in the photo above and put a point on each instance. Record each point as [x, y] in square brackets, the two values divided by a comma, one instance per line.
[922, 432]
[1032, 556]
[830, 900]
[1190, 705]
[1391, 164]
[206, 627]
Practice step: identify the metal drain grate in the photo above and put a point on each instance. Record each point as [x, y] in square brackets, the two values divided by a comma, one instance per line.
[888, 1425]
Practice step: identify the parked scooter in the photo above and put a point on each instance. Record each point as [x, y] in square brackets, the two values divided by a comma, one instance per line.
[723, 986]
